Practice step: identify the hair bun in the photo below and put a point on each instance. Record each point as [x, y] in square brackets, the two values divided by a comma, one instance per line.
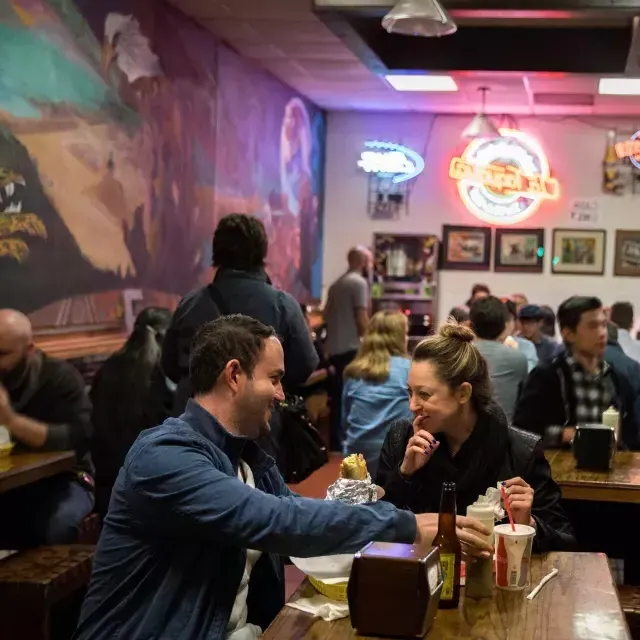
[455, 331]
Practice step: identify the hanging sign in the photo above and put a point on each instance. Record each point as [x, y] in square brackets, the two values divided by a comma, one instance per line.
[390, 160]
[585, 210]
[630, 149]
[503, 180]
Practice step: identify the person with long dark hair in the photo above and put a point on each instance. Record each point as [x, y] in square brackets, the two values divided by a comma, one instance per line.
[130, 393]
[459, 434]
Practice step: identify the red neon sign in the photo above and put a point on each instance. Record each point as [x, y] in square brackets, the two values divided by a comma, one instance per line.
[503, 180]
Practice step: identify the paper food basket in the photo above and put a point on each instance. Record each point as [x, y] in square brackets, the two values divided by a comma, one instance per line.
[328, 574]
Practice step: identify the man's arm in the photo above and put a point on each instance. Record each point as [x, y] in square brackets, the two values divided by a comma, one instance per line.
[70, 409]
[175, 490]
[361, 305]
[530, 413]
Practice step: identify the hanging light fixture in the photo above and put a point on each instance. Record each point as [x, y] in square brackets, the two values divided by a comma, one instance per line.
[425, 18]
[481, 126]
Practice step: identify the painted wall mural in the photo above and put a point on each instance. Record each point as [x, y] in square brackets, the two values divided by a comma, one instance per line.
[124, 137]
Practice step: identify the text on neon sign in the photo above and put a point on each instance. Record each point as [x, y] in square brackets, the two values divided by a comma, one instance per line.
[392, 160]
[504, 179]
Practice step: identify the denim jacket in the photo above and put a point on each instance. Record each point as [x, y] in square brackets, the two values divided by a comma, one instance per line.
[173, 546]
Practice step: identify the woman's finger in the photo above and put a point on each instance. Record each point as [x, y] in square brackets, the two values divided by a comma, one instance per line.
[463, 522]
[426, 435]
[420, 451]
[517, 490]
[417, 441]
[518, 481]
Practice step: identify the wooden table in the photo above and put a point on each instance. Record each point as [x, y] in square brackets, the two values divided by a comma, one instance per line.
[580, 603]
[20, 469]
[621, 484]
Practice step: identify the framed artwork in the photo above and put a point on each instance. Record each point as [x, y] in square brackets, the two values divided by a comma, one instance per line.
[519, 250]
[579, 251]
[466, 248]
[627, 256]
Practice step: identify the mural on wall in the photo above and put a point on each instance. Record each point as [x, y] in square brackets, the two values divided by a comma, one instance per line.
[112, 175]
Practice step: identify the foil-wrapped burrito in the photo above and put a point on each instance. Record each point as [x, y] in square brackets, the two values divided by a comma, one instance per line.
[354, 486]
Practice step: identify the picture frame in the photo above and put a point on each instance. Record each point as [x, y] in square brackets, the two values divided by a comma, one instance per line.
[519, 250]
[626, 260]
[466, 248]
[579, 252]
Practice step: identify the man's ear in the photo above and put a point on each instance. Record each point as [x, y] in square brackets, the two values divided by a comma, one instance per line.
[232, 373]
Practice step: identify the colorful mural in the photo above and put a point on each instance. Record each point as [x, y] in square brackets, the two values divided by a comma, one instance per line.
[124, 137]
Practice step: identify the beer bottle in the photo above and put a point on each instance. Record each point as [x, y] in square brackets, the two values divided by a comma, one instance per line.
[450, 550]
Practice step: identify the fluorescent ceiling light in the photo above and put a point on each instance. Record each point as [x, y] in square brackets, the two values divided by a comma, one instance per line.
[422, 83]
[619, 86]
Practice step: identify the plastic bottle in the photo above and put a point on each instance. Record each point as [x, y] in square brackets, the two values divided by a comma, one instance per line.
[479, 577]
[611, 418]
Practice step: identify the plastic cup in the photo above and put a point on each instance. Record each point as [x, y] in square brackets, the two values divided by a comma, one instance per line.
[513, 556]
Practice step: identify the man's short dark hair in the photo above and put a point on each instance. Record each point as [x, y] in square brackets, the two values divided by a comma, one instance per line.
[234, 337]
[571, 310]
[459, 314]
[548, 327]
[488, 317]
[622, 315]
[240, 242]
[512, 308]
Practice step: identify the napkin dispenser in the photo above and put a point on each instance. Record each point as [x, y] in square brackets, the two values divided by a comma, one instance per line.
[594, 446]
[394, 589]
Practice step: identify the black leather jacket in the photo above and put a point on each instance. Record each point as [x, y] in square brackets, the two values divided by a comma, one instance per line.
[524, 458]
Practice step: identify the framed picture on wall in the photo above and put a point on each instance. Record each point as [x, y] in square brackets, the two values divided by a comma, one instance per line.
[578, 251]
[627, 257]
[519, 250]
[466, 248]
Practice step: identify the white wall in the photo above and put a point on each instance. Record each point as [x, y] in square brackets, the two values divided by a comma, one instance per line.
[575, 150]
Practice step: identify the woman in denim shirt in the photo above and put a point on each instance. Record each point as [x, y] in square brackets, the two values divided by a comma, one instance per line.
[375, 388]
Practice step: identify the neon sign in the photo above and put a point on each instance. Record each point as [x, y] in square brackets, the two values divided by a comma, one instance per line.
[503, 180]
[630, 149]
[389, 160]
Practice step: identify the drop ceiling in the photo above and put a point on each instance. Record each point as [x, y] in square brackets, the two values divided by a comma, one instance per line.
[288, 39]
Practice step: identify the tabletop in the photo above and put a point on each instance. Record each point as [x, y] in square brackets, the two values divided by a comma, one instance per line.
[580, 603]
[621, 484]
[20, 469]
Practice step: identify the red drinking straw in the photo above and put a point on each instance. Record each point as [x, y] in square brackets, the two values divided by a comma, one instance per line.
[507, 507]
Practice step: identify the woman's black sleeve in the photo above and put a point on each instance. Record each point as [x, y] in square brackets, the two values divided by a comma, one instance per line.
[554, 532]
[398, 490]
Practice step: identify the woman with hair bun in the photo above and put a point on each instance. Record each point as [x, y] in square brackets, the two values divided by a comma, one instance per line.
[459, 434]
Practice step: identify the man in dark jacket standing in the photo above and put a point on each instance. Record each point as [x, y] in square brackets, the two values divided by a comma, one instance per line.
[45, 407]
[200, 517]
[579, 384]
[240, 286]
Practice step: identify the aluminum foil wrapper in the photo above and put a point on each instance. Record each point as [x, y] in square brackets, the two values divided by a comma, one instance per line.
[494, 498]
[353, 491]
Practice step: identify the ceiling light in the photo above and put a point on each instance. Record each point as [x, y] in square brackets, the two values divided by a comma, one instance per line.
[424, 18]
[422, 83]
[619, 87]
[481, 126]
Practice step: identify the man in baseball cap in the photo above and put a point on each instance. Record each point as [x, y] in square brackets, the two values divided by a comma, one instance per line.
[531, 317]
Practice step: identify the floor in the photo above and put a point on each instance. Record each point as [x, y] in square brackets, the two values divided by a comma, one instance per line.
[315, 486]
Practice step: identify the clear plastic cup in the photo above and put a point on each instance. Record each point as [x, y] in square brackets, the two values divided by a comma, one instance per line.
[513, 556]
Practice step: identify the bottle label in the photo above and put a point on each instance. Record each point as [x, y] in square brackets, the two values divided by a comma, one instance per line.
[448, 564]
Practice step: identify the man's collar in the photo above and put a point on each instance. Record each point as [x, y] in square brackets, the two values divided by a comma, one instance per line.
[257, 274]
[604, 366]
[235, 447]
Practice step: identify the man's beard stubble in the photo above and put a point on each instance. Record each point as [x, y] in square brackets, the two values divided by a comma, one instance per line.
[13, 378]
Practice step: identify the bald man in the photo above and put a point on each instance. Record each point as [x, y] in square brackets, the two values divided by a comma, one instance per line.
[44, 406]
[346, 314]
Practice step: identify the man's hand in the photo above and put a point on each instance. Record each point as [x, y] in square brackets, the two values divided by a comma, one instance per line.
[427, 527]
[520, 496]
[6, 410]
[470, 534]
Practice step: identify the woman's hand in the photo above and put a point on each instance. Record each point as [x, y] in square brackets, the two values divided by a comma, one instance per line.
[520, 497]
[421, 446]
[472, 535]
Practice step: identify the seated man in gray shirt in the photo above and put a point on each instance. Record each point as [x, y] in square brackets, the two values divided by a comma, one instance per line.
[507, 366]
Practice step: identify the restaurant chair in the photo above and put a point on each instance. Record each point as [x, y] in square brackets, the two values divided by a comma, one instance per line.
[36, 585]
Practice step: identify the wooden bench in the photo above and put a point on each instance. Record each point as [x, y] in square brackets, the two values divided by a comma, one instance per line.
[630, 602]
[34, 583]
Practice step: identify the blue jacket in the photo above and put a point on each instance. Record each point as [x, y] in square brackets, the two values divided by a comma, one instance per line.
[173, 547]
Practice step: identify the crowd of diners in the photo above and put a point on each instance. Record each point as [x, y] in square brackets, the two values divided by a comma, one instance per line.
[175, 439]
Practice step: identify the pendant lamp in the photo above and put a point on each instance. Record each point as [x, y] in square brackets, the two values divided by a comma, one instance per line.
[481, 126]
[426, 18]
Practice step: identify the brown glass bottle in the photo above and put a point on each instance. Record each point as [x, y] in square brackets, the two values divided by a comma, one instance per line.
[450, 550]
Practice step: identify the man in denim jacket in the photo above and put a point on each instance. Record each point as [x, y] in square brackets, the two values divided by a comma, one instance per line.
[200, 517]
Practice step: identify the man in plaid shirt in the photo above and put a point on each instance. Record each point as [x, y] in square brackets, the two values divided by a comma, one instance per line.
[578, 385]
